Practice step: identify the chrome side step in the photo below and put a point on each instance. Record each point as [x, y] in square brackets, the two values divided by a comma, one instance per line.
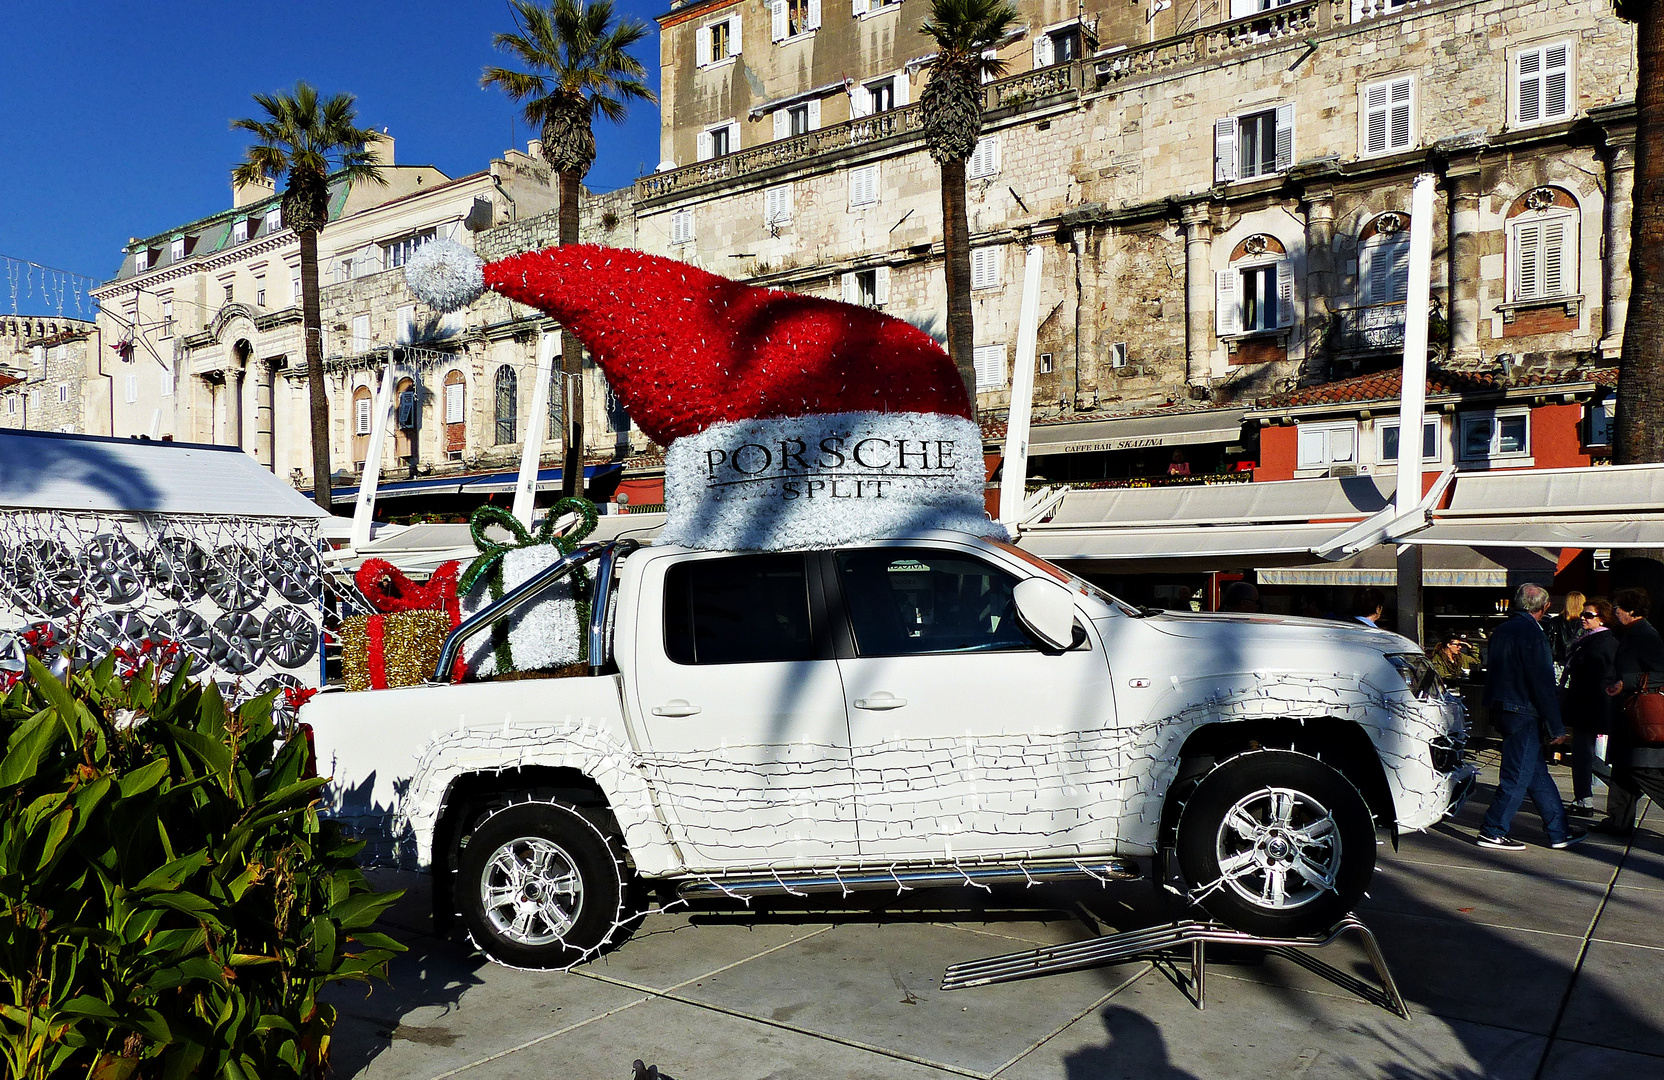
[929, 876]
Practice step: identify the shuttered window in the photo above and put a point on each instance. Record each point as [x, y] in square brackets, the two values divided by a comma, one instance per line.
[1542, 83]
[986, 264]
[1544, 257]
[777, 205]
[1389, 115]
[1258, 143]
[863, 186]
[1384, 269]
[681, 227]
[361, 415]
[985, 159]
[453, 402]
[990, 366]
[790, 18]
[1254, 298]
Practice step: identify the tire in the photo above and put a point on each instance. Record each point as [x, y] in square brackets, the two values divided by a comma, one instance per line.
[570, 908]
[1276, 843]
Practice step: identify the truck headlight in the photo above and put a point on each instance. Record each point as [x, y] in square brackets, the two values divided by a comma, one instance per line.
[1419, 676]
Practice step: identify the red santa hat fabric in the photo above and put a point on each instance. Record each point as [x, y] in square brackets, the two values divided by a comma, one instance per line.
[789, 421]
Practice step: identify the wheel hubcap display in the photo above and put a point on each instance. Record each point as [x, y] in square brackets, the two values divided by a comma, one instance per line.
[531, 891]
[1279, 849]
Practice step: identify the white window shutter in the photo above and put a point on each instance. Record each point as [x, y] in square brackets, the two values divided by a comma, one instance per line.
[704, 140]
[1398, 287]
[1554, 262]
[1313, 452]
[1042, 50]
[1227, 308]
[1556, 82]
[851, 292]
[1285, 292]
[1377, 100]
[734, 36]
[860, 7]
[860, 102]
[881, 286]
[1528, 240]
[703, 39]
[1529, 82]
[453, 403]
[363, 416]
[901, 85]
[1241, 9]
[814, 14]
[1402, 124]
[777, 18]
[733, 136]
[1285, 137]
[1224, 149]
[814, 114]
[782, 124]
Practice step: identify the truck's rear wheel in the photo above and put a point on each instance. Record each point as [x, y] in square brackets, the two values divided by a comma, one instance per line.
[541, 887]
[1277, 843]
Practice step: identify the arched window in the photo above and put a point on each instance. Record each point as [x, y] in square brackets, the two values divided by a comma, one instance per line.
[1543, 231]
[1257, 292]
[362, 409]
[1384, 260]
[455, 412]
[508, 404]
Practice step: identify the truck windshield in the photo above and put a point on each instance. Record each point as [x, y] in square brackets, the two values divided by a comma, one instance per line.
[1065, 577]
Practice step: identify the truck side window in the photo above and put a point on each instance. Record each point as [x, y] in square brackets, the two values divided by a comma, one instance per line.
[905, 601]
[744, 610]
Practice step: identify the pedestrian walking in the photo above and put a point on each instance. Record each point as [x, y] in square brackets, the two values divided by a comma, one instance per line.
[1637, 767]
[1369, 606]
[1565, 626]
[1524, 706]
[1585, 706]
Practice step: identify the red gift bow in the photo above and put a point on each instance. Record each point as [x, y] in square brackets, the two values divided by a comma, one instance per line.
[388, 590]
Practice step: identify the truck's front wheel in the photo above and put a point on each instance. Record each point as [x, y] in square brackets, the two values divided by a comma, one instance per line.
[1277, 843]
[541, 887]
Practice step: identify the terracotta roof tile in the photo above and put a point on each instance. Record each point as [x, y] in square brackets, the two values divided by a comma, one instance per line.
[1385, 385]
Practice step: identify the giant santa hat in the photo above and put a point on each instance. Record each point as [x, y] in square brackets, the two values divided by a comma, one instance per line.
[789, 421]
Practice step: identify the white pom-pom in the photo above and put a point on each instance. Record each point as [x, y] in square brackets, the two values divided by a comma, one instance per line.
[445, 276]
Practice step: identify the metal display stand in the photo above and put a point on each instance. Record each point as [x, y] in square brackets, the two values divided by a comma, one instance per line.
[1158, 943]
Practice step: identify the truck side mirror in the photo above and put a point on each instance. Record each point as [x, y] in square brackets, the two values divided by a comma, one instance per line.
[1047, 609]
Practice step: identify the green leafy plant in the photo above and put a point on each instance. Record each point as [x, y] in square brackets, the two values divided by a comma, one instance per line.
[170, 902]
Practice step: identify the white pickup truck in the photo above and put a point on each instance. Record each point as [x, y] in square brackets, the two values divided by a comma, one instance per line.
[936, 710]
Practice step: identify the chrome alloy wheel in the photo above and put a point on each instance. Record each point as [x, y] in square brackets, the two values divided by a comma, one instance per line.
[1279, 849]
[531, 891]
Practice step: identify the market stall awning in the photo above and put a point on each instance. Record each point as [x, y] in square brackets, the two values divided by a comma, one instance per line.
[494, 483]
[422, 548]
[1613, 506]
[1135, 432]
[1499, 568]
[51, 471]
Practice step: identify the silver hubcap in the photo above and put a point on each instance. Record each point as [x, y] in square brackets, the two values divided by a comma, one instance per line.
[1279, 849]
[531, 891]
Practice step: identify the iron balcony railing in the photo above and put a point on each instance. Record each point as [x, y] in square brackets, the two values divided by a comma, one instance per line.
[1368, 329]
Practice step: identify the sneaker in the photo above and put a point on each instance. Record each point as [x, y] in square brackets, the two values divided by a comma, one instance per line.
[1580, 810]
[1573, 836]
[1501, 843]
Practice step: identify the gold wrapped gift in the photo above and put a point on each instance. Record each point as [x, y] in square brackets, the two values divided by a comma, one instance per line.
[379, 652]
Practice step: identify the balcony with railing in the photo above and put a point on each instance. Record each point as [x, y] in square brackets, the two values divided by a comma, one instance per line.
[1376, 328]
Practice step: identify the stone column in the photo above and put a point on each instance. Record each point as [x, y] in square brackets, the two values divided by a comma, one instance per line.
[263, 413]
[1614, 277]
[1198, 292]
[239, 407]
[214, 380]
[1320, 264]
[1462, 182]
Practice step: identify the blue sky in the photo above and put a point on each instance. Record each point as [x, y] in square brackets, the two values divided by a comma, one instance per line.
[116, 116]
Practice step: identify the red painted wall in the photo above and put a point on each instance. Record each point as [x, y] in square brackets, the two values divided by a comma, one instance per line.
[1278, 448]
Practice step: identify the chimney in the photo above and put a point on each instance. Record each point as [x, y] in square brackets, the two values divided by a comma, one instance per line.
[534, 149]
[381, 148]
[253, 192]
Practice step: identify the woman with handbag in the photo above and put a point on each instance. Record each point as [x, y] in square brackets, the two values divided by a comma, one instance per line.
[1585, 705]
[1637, 749]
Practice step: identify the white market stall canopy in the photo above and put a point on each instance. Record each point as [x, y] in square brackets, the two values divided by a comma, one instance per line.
[1442, 567]
[94, 474]
[1133, 432]
[422, 548]
[1290, 522]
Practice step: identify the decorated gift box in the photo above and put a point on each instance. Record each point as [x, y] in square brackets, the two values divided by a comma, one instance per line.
[545, 635]
[400, 645]
[789, 421]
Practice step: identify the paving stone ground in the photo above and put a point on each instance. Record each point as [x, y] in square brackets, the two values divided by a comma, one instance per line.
[1533, 965]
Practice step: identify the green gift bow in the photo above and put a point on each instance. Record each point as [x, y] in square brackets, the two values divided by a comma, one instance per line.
[487, 564]
[491, 552]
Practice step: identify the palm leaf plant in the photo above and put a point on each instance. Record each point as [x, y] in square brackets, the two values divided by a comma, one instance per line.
[302, 141]
[577, 67]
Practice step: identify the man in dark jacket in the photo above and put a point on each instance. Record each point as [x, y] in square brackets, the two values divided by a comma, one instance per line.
[1521, 696]
[1636, 768]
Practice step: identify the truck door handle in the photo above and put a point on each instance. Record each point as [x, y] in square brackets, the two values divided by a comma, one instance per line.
[880, 701]
[675, 707]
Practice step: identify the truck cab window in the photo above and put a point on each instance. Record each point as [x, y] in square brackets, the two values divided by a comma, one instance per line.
[745, 610]
[904, 601]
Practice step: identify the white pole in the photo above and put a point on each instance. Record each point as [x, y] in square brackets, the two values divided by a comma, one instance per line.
[1413, 397]
[364, 511]
[1022, 394]
[531, 447]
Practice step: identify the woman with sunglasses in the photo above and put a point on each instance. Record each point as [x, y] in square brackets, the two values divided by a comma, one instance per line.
[1584, 703]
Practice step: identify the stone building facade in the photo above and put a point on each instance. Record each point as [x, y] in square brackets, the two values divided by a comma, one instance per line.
[1222, 213]
[51, 377]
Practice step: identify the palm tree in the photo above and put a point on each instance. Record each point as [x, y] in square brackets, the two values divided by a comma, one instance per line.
[1640, 435]
[952, 119]
[304, 140]
[578, 68]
